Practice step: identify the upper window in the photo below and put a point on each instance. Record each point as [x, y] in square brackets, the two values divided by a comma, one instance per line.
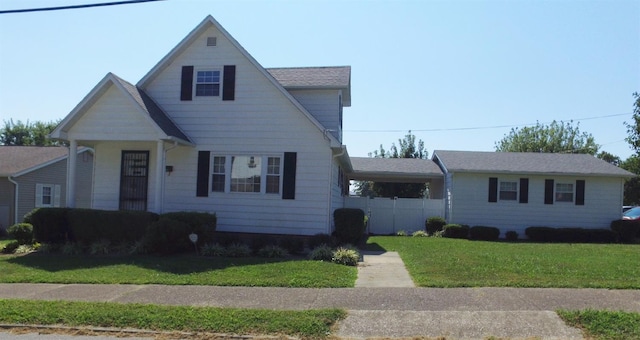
[208, 83]
[508, 191]
[564, 192]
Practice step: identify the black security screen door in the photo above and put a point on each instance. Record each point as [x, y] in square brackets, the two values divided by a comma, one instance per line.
[134, 175]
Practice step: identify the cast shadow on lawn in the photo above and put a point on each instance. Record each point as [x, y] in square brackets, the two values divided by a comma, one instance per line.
[373, 248]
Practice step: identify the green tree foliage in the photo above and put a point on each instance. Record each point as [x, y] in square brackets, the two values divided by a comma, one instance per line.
[553, 138]
[609, 158]
[407, 148]
[29, 134]
[634, 128]
[632, 186]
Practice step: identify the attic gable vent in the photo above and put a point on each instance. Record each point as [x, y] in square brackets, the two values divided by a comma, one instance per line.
[212, 41]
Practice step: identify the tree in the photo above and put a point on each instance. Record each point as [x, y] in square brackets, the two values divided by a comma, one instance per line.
[609, 158]
[632, 185]
[20, 133]
[408, 149]
[634, 129]
[554, 138]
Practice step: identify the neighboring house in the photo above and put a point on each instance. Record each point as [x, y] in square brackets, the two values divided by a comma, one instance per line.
[209, 129]
[516, 190]
[36, 176]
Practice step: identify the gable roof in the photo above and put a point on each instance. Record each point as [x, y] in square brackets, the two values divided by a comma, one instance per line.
[18, 160]
[394, 169]
[194, 34]
[139, 99]
[527, 163]
[327, 77]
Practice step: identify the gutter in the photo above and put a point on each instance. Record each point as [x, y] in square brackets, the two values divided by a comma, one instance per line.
[15, 204]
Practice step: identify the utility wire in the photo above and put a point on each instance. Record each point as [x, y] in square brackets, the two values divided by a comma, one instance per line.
[43, 9]
[486, 127]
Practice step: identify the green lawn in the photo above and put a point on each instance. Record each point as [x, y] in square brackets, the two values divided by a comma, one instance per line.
[175, 270]
[443, 262]
[303, 324]
[611, 325]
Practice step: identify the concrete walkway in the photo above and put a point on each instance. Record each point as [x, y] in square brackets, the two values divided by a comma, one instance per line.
[383, 269]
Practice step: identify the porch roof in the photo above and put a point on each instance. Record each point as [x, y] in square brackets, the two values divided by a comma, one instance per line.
[394, 170]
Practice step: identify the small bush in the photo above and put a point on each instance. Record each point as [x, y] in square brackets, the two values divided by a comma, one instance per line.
[72, 248]
[101, 247]
[213, 249]
[49, 248]
[238, 250]
[570, 235]
[345, 256]
[434, 224]
[349, 224]
[419, 233]
[139, 247]
[260, 242]
[21, 232]
[24, 249]
[437, 234]
[540, 234]
[50, 225]
[10, 247]
[273, 251]
[167, 236]
[627, 230]
[481, 233]
[320, 239]
[456, 231]
[401, 233]
[292, 244]
[321, 253]
[202, 224]
[511, 236]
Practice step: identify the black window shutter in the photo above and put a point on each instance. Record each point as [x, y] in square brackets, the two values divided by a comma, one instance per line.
[493, 189]
[580, 192]
[186, 84]
[289, 176]
[229, 83]
[548, 191]
[524, 190]
[202, 189]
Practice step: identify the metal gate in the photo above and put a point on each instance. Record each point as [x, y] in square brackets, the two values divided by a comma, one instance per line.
[134, 180]
[389, 215]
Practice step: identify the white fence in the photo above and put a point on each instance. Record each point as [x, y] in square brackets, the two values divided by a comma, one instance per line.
[388, 215]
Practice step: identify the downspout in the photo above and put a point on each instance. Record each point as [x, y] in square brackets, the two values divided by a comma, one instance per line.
[15, 204]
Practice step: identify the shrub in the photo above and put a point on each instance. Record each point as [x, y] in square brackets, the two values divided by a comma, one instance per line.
[48, 248]
[167, 237]
[345, 256]
[401, 233]
[91, 225]
[349, 224]
[258, 243]
[238, 250]
[139, 247]
[21, 232]
[23, 249]
[72, 248]
[570, 235]
[294, 245]
[511, 235]
[213, 249]
[320, 239]
[321, 253]
[627, 230]
[540, 234]
[437, 234]
[484, 233]
[456, 231]
[419, 233]
[434, 224]
[100, 247]
[273, 251]
[50, 225]
[10, 247]
[602, 236]
[202, 224]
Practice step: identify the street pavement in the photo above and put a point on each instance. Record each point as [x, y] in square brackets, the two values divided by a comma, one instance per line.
[397, 310]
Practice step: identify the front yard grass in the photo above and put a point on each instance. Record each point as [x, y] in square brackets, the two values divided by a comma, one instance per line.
[443, 262]
[611, 325]
[175, 270]
[303, 324]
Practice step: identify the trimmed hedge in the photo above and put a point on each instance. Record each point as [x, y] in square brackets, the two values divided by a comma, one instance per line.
[167, 236]
[627, 230]
[202, 224]
[349, 224]
[434, 224]
[511, 236]
[540, 234]
[91, 225]
[481, 233]
[50, 225]
[456, 231]
[570, 235]
[21, 232]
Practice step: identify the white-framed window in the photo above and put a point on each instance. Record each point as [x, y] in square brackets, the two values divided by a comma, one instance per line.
[246, 174]
[564, 192]
[207, 83]
[508, 191]
[47, 195]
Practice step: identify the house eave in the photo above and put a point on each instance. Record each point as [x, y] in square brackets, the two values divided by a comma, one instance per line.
[531, 173]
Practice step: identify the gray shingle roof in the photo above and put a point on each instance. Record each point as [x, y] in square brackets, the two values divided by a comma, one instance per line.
[331, 77]
[155, 112]
[528, 163]
[15, 159]
[398, 167]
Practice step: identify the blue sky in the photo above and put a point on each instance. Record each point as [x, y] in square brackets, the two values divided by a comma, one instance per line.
[459, 74]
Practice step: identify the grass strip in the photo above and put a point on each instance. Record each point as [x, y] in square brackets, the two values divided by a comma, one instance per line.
[175, 270]
[443, 262]
[610, 325]
[305, 324]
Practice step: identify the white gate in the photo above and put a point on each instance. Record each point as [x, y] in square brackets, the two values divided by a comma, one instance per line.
[389, 215]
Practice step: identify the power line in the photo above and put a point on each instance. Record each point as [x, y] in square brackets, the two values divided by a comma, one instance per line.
[487, 127]
[43, 9]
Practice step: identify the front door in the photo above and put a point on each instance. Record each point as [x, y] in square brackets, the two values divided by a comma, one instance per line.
[134, 175]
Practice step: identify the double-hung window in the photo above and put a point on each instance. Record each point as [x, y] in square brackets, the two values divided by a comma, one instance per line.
[47, 195]
[564, 192]
[246, 173]
[257, 174]
[218, 178]
[508, 191]
[273, 175]
[208, 83]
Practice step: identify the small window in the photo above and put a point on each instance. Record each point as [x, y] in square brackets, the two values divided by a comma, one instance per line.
[508, 191]
[212, 41]
[564, 192]
[47, 195]
[273, 175]
[208, 83]
[219, 174]
[245, 173]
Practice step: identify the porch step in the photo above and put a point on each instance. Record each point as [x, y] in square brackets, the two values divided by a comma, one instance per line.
[383, 269]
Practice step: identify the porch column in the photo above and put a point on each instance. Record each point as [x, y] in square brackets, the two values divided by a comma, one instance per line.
[159, 177]
[71, 173]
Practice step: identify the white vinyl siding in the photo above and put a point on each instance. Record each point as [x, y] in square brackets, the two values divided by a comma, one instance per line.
[325, 106]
